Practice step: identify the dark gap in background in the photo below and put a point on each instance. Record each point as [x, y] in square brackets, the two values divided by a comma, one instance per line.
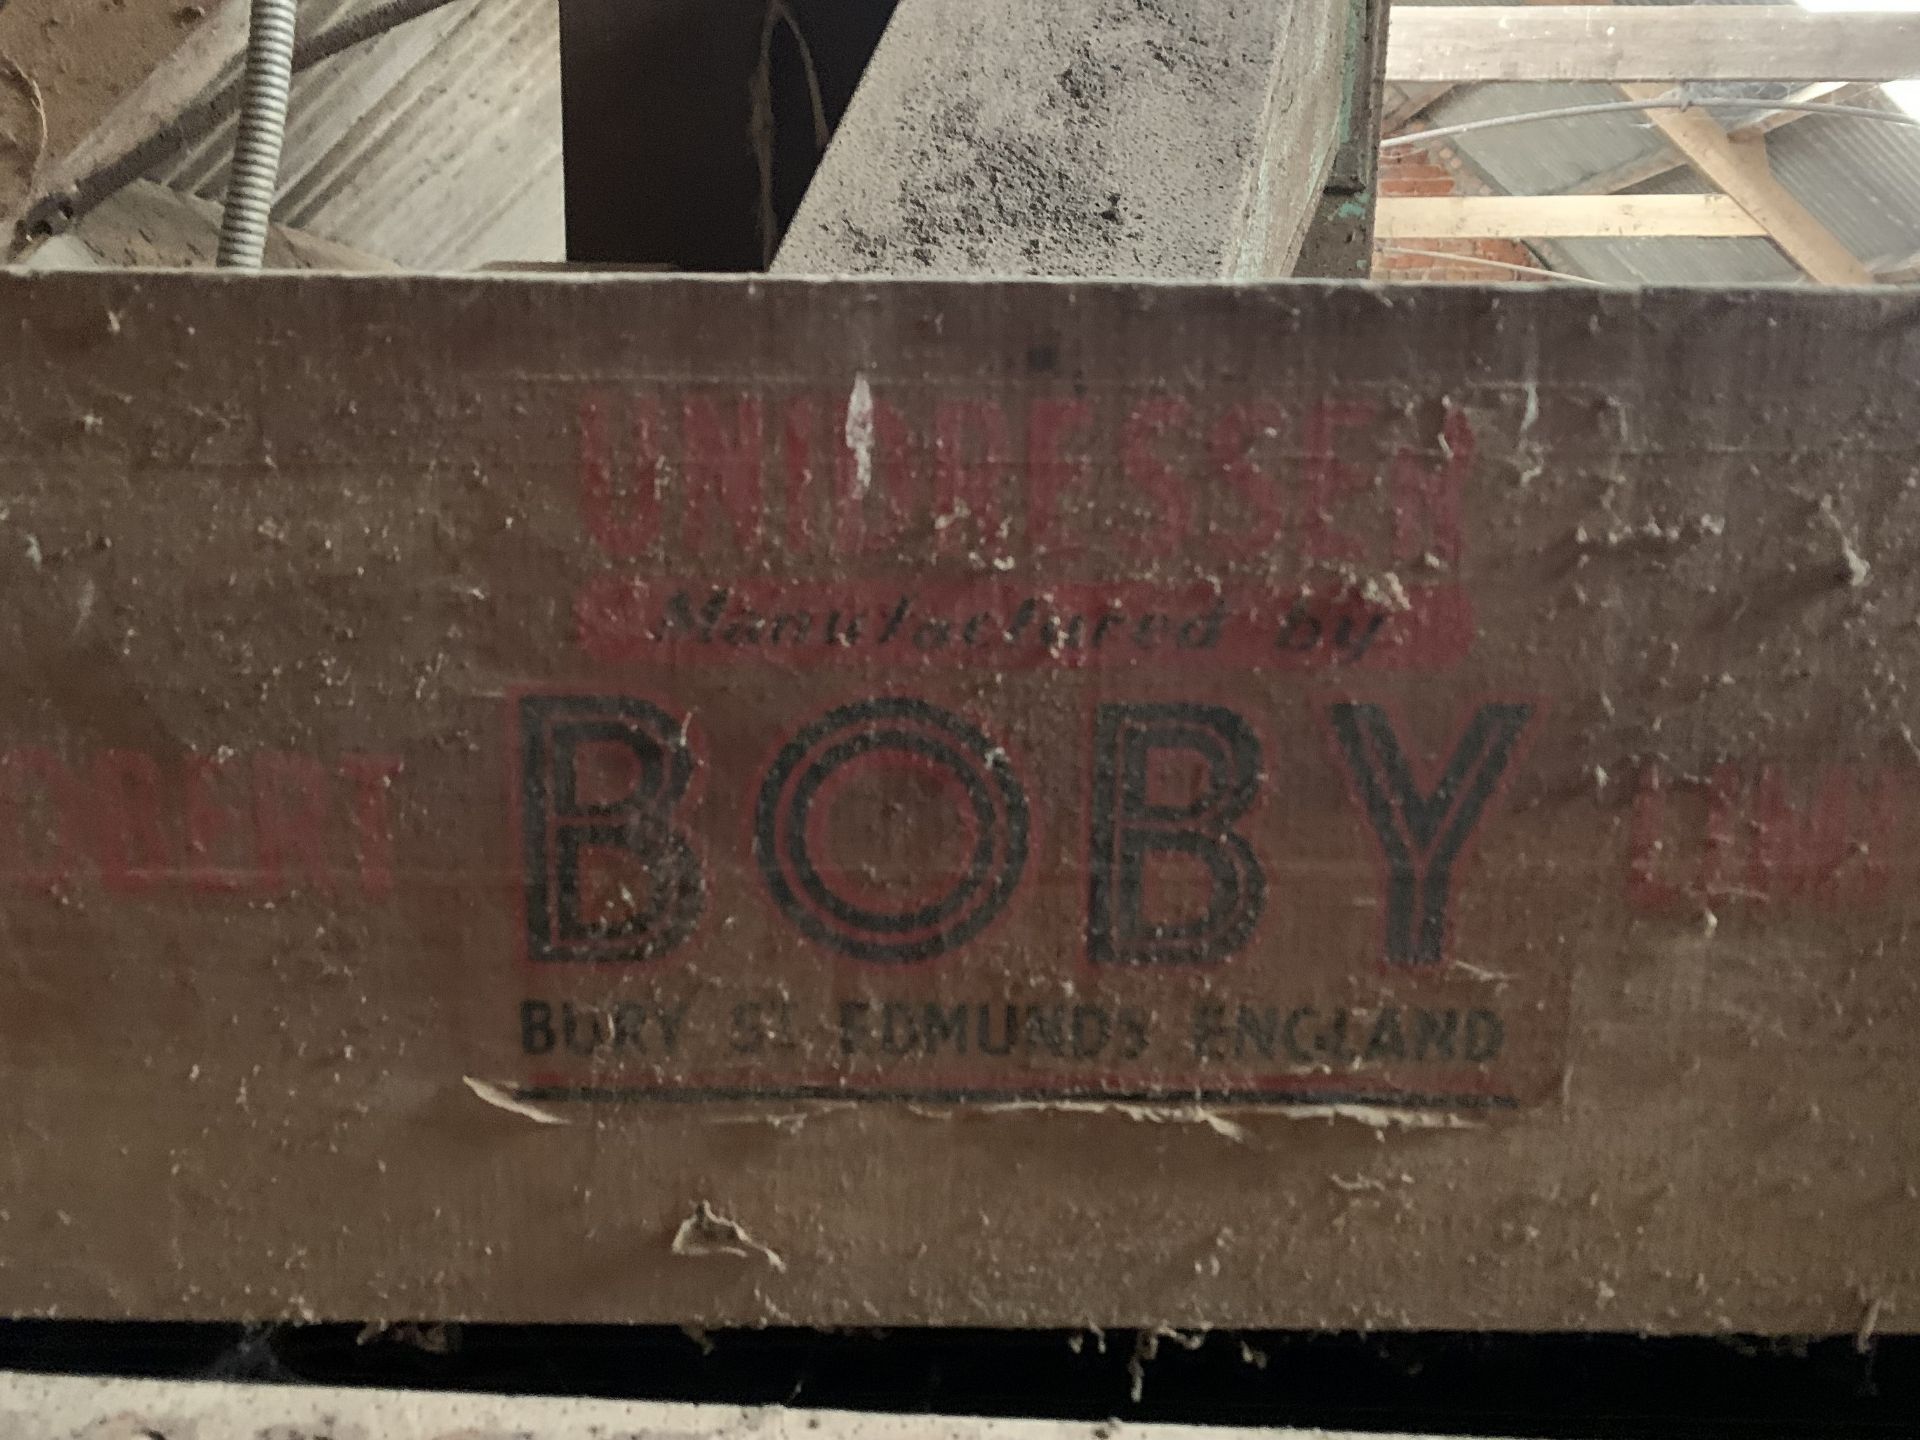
[658, 121]
[1598, 1386]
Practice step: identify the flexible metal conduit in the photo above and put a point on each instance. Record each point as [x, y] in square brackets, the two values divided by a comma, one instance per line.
[263, 124]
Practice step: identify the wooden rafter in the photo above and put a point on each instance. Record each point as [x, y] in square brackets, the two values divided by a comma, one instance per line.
[1740, 170]
[1409, 103]
[1561, 216]
[1454, 44]
[1665, 160]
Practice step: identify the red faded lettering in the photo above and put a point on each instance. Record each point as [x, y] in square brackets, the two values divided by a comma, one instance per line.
[970, 461]
[1230, 444]
[372, 777]
[39, 796]
[1748, 841]
[1330, 480]
[1146, 469]
[130, 840]
[624, 520]
[877, 474]
[212, 820]
[724, 460]
[1647, 887]
[1056, 472]
[1428, 498]
[290, 818]
[796, 450]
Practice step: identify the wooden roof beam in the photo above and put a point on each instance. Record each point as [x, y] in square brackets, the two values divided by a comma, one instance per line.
[1549, 217]
[1740, 169]
[1650, 167]
[1449, 44]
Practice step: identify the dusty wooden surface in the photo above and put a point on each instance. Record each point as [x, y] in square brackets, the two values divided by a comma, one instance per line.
[1467, 887]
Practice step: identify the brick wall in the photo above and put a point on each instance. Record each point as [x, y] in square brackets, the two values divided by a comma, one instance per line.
[1415, 170]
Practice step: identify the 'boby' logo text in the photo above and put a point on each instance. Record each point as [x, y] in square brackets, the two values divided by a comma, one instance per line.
[612, 874]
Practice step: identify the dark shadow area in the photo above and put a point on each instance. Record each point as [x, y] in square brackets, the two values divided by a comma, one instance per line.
[684, 119]
[1599, 1386]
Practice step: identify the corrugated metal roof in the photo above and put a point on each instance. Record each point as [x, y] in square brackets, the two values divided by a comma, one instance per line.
[1860, 178]
[436, 145]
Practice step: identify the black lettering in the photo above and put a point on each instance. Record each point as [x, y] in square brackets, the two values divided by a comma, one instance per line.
[1387, 1042]
[1209, 1030]
[536, 1028]
[1131, 829]
[856, 1032]
[899, 1030]
[1290, 1033]
[1301, 633]
[1353, 648]
[629, 1027]
[680, 616]
[797, 621]
[1331, 1043]
[1256, 1030]
[1433, 1033]
[745, 628]
[1092, 1029]
[607, 876]
[1485, 1036]
[1203, 631]
[1010, 1023]
[1421, 835]
[858, 735]
[1134, 1033]
[1047, 1029]
[581, 1027]
[943, 1027]
[758, 1026]
[1147, 633]
[670, 1022]
[891, 625]
[1059, 633]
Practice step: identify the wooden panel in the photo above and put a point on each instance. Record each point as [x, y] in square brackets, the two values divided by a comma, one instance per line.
[1551, 216]
[1438, 44]
[709, 801]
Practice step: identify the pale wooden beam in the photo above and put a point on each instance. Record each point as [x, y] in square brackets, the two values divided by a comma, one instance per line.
[1826, 92]
[1663, 161]
[1548, 217]
[1435, 44]
[1740, 169]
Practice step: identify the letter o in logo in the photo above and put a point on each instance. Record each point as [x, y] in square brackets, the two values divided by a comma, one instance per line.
[891, 731]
